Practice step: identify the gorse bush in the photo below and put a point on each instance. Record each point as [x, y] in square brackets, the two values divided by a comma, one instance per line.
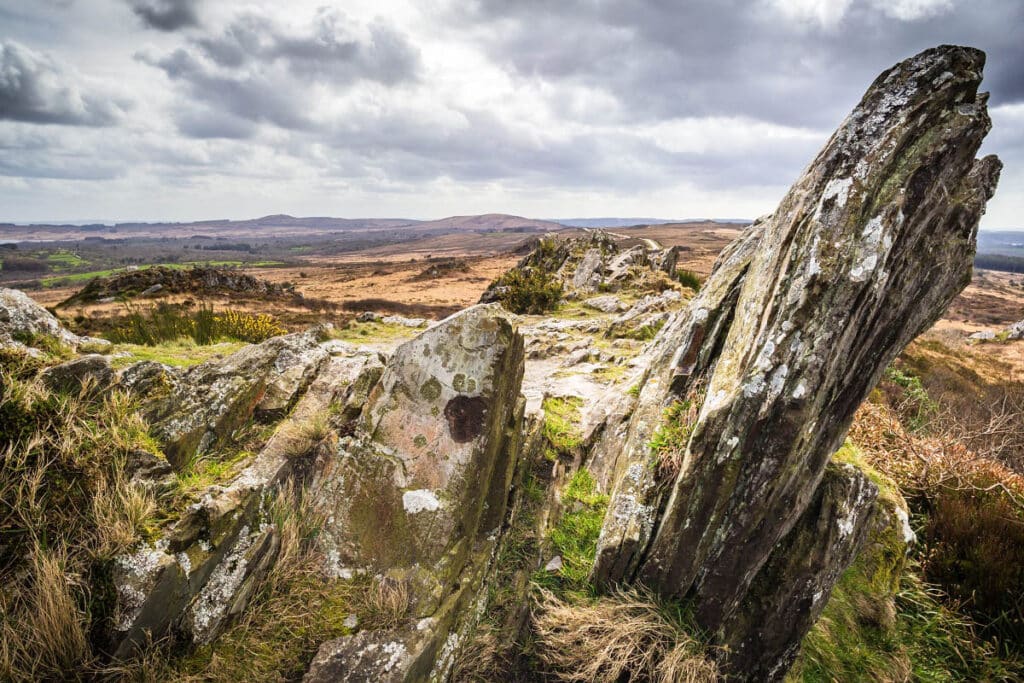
[165, 323]
[530, 290]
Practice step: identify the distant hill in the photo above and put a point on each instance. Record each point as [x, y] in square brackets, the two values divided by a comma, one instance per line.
[275, 225]
[495, 222]
[629, 222]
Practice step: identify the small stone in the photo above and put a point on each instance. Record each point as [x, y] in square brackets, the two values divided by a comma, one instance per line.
[350, 622]
[554, 564]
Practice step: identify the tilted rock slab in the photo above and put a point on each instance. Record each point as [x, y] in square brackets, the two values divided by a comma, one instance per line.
[864, 253]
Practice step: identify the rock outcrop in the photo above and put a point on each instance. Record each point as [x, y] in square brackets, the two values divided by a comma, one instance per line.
[22, 321]
[161, 280]
[192, 410]
[594, 263]
[791, 331]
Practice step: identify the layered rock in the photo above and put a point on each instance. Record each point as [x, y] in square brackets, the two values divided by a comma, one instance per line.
[790, 333]
[193, 410]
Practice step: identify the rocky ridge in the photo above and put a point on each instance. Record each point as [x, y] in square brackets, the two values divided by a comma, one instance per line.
[428, 454]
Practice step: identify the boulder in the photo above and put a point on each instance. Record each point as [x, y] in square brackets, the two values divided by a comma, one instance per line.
[605, 304]
[417, 476]
[23, 321]
[792, 330]
[417, 493]
[92, 371]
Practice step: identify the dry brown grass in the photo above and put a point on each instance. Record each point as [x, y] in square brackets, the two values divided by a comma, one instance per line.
[47, 640]
[625, 636]
[310, 438]
[384, 604]
[121, 511]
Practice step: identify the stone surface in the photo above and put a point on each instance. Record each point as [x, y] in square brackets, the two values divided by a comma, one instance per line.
[22, 319]
[762, 637]
[191, 410]
[791, 332]
[92, 370]
[606, 304]
[425, 471]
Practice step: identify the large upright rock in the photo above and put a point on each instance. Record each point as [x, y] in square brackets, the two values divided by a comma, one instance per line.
[418, 492]
[866, 250]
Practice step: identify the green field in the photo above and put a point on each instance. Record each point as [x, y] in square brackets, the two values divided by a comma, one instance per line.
[62, 280]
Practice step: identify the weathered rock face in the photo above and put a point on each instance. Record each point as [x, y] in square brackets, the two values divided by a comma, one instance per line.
[790, 333]
[22, 319]
[585, 265]
[202, 571]
[192, 410]
[418, 492]
[428, 468]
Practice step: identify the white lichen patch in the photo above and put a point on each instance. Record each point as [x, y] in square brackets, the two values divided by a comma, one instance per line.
[213, 601]
[908, 533]
[420, 500]
[135, 576]
[800, 391]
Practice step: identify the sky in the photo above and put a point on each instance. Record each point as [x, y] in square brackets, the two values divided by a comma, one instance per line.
[198, 109]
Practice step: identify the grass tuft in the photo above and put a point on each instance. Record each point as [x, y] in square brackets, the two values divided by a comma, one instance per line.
[628, 635]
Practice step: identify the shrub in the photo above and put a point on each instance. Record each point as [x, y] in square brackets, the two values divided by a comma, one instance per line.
[688, 278]
[530, 290]
[165, 323]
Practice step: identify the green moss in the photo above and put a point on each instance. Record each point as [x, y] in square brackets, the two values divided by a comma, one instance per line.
[180, 353]
[642, 333]
[561, 425]
[883, 623]
[574, 537]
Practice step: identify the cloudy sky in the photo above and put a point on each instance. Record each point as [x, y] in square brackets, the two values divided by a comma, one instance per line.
[191, 109]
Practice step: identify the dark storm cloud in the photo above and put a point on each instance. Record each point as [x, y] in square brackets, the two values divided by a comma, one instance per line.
[166, 15]
[256, 71]
[253, 96]
[331, 49]
[663, 58]
[36, 89]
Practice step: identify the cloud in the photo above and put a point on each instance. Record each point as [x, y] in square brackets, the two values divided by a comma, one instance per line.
[166, 15]
[256, 71]
[35, 88]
